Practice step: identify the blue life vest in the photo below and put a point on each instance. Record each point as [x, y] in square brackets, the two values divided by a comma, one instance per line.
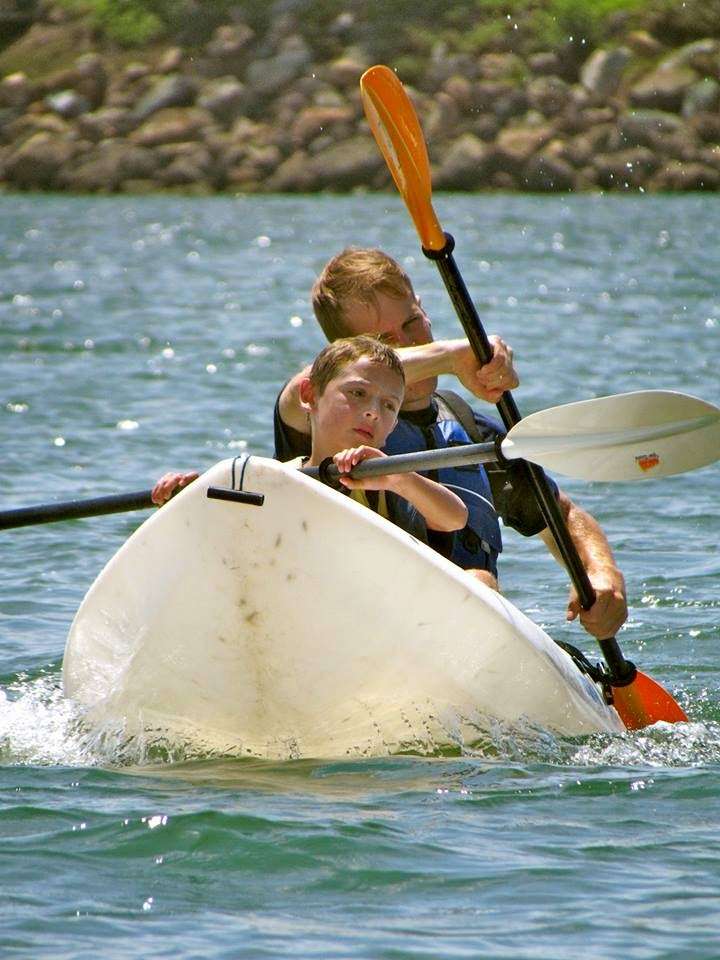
[478, 544]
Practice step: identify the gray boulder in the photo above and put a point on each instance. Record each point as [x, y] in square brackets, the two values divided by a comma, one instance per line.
[39, 161]
[16, 91]
[602, 72]
[108, 165]
[465, 166]
[545, 64]
[702, 97]
[664, 88]
[685, 176]
[269, 76]
[173, 125]
[352, 163]
[549, 95]
[184, 164]
[515, 145]
[105, 124]
[312, 122]
[172, 91]
[546, 173]
[646, 128]
[706, 126]
[225, 98]
[500, 66]
[624, 169]
[345, 72]
[67, 104]
[294, 175]
[697, 55]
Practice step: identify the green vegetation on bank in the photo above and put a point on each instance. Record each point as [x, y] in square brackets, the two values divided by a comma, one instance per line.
[404, 32]
[468, 25]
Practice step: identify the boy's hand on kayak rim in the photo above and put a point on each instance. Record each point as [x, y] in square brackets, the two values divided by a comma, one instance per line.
[169, 484]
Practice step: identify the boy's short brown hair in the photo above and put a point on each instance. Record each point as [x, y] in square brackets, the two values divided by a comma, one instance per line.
[337, 355]
[358, 273]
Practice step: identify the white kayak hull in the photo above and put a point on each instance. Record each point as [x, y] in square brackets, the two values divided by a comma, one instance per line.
[307, 627]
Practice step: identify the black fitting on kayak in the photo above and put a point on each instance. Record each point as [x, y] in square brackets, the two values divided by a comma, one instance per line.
[446, 250]
[596, 671]
[621, 672]
[236, 496]
[330, 478]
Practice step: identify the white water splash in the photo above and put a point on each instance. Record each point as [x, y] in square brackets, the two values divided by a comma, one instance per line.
[662, 745]
[40, 727]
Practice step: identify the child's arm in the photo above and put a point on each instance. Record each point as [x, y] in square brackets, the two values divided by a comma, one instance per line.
[440, 507]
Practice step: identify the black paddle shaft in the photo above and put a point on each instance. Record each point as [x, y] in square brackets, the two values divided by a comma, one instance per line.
[75, 509]
[620, 668]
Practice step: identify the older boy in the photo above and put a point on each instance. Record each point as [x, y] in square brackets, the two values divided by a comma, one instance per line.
[365, 291]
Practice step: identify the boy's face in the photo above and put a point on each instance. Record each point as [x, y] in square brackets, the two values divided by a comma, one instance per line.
[358, 406]
[401, 322]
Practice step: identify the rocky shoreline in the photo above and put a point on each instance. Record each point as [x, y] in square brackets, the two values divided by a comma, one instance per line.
[266, 114]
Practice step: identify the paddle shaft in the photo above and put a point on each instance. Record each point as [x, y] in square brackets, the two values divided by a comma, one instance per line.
[141, 499]
[408, 462]
[75, 509]
[510, 414]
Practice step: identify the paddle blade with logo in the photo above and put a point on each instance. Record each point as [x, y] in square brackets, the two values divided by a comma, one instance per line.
[628, 436]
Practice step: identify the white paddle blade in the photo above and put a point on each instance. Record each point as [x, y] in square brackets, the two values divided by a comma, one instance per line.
[630, 436]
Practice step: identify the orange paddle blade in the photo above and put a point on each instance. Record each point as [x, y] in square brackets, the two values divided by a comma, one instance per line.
[644, 701]
[396, 129]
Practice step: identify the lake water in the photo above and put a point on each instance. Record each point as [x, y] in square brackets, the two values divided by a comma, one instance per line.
[147, 333]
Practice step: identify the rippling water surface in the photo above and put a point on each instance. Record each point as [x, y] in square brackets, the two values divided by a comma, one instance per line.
[141, 334]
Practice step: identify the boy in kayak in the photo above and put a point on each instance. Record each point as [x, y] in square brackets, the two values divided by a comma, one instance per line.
[352, 397]
[364, 291]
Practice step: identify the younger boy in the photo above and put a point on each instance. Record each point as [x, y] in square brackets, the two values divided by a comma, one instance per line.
[352, 397]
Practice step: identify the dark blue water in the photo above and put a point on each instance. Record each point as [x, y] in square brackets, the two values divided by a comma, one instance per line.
[142, 334]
